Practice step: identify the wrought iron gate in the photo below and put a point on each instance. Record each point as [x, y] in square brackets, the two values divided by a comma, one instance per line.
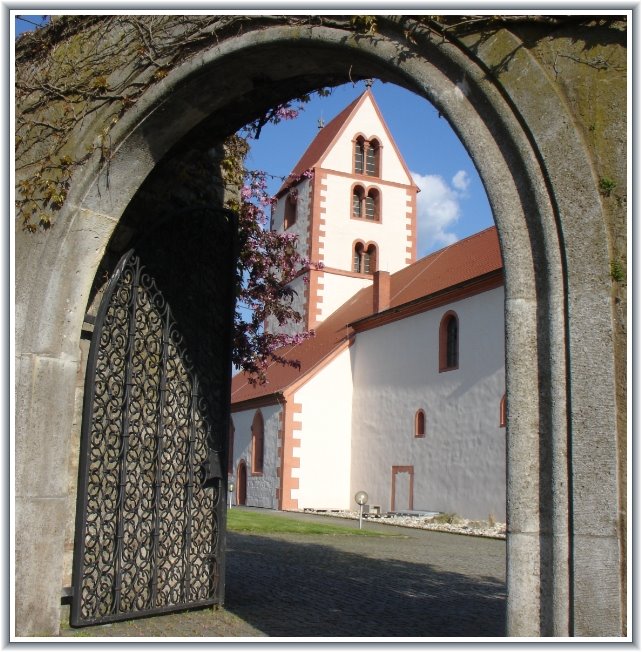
[151, 505]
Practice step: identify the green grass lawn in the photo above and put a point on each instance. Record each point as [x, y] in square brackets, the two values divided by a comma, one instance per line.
[258, 523]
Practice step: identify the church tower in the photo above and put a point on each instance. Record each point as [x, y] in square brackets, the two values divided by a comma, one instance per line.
[352, 203]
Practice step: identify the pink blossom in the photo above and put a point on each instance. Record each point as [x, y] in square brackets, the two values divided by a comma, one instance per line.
[285, 112]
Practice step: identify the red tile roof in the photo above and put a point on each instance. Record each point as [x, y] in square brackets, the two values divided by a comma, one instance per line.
[320, 144]
[461, 262]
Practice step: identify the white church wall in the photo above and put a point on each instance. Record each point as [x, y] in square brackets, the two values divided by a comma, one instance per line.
[459, 465]
[337, 289]
[366, 122]
[261, 488]
[324, 451]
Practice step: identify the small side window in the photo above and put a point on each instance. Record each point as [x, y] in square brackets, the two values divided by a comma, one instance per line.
[420, 424]
[289, 217]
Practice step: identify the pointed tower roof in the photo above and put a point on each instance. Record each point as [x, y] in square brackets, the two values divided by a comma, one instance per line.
[327, 136]
[320, 144]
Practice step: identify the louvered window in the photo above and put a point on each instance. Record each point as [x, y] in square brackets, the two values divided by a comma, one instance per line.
[357, 198]
[356, 265]
[372, 159]
[358, 157]
[371, 208]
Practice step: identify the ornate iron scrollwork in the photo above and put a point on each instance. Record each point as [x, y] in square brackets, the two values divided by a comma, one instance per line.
[148, 536]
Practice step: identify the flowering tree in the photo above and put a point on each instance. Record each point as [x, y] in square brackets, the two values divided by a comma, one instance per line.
[268, 261]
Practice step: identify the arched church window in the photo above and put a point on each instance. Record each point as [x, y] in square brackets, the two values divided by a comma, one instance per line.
[502, 412]
[258, 436]
[449, 342]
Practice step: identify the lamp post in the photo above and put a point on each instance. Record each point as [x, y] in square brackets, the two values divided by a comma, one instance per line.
[230, 490]
[361, 498]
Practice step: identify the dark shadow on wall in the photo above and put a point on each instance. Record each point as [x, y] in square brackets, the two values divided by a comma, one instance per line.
[291, 589]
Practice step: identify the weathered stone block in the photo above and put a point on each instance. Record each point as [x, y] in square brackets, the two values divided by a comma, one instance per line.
[39, 540]
[44, 411]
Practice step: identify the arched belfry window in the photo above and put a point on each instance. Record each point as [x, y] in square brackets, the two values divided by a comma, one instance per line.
[370, 260]
[367, 156]
[372, 206]
[258, 437]
[373, 153]
[358, 195]
[449, 342]
[364, 259]
[420, 424]
[366, 205]
[356, 257]
[359, 155]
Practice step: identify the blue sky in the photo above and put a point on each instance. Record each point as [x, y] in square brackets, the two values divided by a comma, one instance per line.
[452, 203]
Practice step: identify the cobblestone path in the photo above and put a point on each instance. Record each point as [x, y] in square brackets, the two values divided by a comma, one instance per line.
[416, 584]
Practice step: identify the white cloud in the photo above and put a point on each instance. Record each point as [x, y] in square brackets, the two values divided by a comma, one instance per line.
[438, 210]
[461, 181]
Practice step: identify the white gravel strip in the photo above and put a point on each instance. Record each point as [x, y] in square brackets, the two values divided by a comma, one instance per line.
[457, 525]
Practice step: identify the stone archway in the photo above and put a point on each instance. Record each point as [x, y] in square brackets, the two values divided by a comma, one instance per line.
[565, 539]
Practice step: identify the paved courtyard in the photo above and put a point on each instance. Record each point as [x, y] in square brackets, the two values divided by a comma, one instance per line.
[415, 584]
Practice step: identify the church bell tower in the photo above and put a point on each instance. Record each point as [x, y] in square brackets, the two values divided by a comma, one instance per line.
[352, 203]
